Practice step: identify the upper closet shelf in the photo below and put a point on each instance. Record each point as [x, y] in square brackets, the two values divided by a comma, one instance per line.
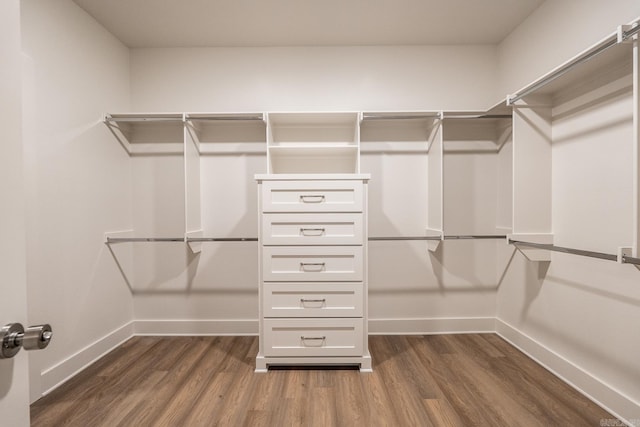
[398, 131]
[400, 115]
[477, 131]
[148, 133]
[610, 54]
[225, 117]
[499, 111]
[227, 132]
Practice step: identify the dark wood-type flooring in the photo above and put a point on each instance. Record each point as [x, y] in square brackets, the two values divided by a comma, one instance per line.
[438, 380]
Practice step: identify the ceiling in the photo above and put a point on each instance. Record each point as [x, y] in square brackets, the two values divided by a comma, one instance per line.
[187, 23]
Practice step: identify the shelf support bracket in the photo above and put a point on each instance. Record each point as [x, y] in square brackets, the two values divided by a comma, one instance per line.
[530, 253]
[433, 245]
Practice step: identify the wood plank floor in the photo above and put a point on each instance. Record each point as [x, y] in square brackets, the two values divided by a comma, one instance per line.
[437, 380]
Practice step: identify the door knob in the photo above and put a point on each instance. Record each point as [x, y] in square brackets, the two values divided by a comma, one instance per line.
[13, 336]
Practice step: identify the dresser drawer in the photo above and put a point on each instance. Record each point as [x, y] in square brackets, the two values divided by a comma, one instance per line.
[312, 300]
[313, 337]
[312, 196]
[312, 263]
[312, 229]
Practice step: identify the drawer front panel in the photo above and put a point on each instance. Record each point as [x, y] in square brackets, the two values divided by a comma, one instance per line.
[312, 229]
[312, 263]
[312, 300]
[313, 337]
[312, 196]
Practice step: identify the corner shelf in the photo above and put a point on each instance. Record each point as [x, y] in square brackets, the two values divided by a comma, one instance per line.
[553, 117]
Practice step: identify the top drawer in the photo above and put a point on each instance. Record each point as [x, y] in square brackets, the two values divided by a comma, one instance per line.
[312, 196]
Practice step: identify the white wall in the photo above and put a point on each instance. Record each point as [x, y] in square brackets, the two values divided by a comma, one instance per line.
[579, 315]
[412, 290]
[220, 284]
[553, 34]
[313, 78]
[77, 185]
[215, 291]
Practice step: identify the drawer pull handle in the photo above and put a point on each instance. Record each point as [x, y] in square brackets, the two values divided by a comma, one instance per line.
[303, 300]
[319, 340]
[312, 231]
[312, 266]
[312, 198]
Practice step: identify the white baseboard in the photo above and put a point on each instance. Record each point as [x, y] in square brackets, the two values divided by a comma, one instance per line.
[196, 327]
[415, 326]
[63, 371]
[594, 389]
[428, 326]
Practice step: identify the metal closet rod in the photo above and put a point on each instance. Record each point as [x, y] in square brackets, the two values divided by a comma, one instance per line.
[449, 237]
[609, 42]
[143, 119]
[591, 254]
[255, 239]
[143, 239]
[222, 239]
[372, 116]
[180, 239]
[239, 117]
[373, 239]
[476, 236]
[477, 116]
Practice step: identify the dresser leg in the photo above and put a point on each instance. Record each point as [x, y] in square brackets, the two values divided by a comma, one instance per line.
[365, 366]
[261, 365]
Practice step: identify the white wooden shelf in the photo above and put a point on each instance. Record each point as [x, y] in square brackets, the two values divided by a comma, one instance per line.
[313, 142]
[153, 133]
[398, 132]
[227, 133]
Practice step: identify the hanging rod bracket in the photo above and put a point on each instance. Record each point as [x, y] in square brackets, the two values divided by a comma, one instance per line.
[623, 253]
[628, 33]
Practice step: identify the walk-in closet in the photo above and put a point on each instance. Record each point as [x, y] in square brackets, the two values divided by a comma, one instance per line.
[345, 213]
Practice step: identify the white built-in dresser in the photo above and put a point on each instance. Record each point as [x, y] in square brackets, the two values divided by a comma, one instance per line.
[313, 243]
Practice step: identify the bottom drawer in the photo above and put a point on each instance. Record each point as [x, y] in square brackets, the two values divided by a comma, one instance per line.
[313, 337]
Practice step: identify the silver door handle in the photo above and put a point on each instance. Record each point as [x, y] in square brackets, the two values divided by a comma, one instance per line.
[13, 337]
